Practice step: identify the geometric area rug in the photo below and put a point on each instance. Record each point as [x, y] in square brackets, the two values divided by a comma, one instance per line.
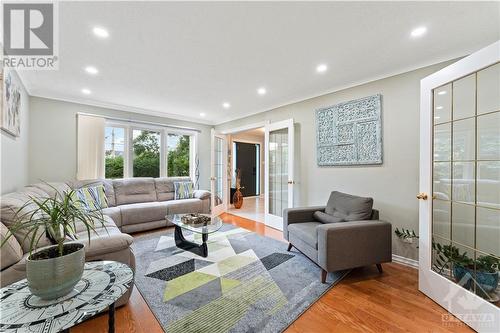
[248, 282]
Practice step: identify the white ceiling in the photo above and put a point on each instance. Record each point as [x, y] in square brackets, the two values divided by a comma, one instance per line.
[181, 59]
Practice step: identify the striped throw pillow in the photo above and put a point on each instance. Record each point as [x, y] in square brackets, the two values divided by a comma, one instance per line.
[91, 198]
[183, 190]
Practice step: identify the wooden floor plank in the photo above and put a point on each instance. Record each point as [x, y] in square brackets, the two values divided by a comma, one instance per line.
[364, 301]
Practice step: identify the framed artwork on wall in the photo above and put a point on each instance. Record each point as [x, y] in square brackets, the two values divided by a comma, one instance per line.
[10, 118]
[350, 133]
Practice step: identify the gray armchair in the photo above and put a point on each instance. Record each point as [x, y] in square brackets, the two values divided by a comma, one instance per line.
[344, 234]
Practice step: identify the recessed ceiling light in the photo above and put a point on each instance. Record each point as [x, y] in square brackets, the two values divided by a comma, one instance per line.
[100, 32]
[321, 68]
[261, 91]
[442, 92]
[91, 70]
[86, 91]
[203, 114]
[439, 107]
[418, 32]
[226, 105]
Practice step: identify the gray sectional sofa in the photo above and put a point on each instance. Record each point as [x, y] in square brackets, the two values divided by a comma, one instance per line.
[135, 204]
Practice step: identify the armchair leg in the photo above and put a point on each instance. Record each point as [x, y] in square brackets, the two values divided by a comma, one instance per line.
[323, 275]
[289, 246]
[379, 267]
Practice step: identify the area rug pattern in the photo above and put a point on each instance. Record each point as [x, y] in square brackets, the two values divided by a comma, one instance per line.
[248, 283]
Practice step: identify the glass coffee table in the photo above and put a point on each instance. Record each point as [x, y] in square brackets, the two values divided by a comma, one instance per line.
[204, 229]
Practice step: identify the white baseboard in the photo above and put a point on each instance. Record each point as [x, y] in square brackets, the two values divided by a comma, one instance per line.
[405, 261]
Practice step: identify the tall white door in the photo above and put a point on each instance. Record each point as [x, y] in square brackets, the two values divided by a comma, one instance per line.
[279, 142]
[459, 194]
[218, 177]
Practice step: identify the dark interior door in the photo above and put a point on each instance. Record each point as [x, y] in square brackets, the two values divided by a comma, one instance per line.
[246, 161]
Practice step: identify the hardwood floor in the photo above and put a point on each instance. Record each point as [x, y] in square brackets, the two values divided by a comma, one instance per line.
[364, 301]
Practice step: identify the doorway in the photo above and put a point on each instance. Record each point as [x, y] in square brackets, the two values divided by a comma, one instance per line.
[276, 185]
[246, 156]
[247, 162]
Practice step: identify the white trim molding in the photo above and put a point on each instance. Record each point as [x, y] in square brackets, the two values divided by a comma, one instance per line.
[405, 261]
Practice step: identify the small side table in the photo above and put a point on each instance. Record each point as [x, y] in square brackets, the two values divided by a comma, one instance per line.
[102, 283]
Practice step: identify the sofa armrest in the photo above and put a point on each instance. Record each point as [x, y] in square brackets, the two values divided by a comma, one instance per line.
[345, 245]
[201, 194]
[298, 215]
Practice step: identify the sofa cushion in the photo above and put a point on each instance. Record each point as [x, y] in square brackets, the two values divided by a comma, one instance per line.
[104, 240]
[134, 190]
[326, 218]
[306, 232]
[51, 188]
[11, 251]
[143, 212]
[201, 194]
[184, 206]
[165, 187]
[349, 207]
[115, 214]
[10, 205]
[183, 190]
[107, 183]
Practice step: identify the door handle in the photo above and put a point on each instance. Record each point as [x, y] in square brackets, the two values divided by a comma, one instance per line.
[291, 182]
[422, 196]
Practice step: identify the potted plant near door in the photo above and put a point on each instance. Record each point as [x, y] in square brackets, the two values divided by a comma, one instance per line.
[481, 274]
[54, 271]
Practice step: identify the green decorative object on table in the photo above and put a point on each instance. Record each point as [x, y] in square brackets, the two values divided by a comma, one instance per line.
[54, 271]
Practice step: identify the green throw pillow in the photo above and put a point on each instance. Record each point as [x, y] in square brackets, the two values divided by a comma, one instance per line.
[91, 198]
[183, 190]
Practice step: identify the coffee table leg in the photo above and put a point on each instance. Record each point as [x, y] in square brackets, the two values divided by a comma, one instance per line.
[183, 243]
[111, 319]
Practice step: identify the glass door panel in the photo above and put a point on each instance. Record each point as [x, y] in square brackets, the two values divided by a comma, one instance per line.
[278, 171]
[466, 182]
[218, 174]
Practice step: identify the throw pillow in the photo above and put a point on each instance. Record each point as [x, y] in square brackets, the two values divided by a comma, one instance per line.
[183, 190]
[326, 218]
[91, 198]
[349, 207]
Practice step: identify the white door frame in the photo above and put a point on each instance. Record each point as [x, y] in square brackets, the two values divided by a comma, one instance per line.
[221, 208]
[234, 130]
[273, 220]
[468, 307]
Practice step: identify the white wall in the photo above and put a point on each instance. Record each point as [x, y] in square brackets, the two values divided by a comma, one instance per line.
[14, 151]
[52, 146]
[394, 184]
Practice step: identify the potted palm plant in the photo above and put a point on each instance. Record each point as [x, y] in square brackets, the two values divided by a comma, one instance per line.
[53, 271]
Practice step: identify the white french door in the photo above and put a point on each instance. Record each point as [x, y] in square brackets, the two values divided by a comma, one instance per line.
[459, 210]
[279, 144]
[218, 178]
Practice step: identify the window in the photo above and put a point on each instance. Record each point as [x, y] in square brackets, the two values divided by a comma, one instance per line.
[146, 147]
[114, 147]
[178, 146]
[148, 151]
